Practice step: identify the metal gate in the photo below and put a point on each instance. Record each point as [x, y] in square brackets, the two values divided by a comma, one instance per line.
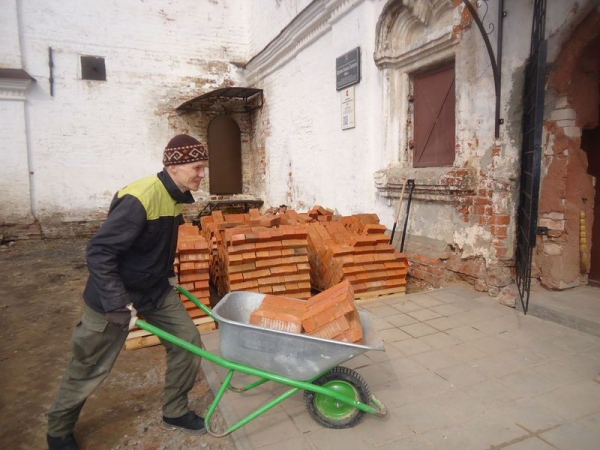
[533, 112]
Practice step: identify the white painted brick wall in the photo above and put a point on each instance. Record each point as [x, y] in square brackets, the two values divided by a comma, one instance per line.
[268, 17]
[328, 166]
[93, 137]
[10, 53]
[14, 182]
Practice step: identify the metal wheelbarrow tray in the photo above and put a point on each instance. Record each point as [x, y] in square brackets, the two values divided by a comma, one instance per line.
[335, 396]
[293, 355]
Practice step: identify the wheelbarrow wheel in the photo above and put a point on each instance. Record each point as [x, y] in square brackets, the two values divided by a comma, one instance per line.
[332, 413]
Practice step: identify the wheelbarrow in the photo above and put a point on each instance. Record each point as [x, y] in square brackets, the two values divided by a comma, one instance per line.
[335, 396]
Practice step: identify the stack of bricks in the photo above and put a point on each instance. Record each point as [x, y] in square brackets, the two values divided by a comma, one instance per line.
[353, 248]
[212, 227]
[192, 267]
[356, 249]
[330, 314]
[265, 260]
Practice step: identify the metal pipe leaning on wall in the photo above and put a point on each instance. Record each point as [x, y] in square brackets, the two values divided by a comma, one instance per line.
[584, 255]
[411, 184]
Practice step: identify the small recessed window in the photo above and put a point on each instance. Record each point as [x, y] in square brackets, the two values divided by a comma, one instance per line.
[93, 68]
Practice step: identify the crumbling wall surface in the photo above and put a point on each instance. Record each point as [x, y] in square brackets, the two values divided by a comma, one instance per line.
[91, 138]
[573, 99]
[462, 218]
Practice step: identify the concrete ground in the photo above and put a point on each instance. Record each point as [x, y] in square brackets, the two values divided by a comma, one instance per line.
[460, 371]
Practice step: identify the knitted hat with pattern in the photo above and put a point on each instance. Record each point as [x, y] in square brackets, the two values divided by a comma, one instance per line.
[184, 149]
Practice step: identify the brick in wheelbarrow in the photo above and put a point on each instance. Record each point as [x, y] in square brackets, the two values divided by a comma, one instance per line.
[279, 313]
[330, 314]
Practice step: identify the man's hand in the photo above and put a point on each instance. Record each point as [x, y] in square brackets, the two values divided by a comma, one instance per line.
[124, 317]
[173, 281]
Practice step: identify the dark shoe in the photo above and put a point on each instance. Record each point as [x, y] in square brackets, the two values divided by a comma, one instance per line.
[189, 422]
[62, 443]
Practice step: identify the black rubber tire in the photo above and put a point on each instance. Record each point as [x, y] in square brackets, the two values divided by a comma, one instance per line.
[361, 393]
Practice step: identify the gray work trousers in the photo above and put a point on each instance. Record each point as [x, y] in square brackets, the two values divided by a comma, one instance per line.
[95, 346]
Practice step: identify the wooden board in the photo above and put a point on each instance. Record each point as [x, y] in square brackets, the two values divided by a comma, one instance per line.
[376, 295]
[142, 338]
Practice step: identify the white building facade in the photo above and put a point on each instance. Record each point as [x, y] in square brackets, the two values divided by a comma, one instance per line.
[70, 143]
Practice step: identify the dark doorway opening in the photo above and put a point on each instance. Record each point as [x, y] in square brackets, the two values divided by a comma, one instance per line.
[590, 142]
[225, 156]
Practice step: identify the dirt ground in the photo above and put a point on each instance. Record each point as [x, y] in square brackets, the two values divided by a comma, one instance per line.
[40, 303]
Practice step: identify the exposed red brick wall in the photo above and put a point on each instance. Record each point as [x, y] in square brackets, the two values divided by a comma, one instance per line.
[567, 189]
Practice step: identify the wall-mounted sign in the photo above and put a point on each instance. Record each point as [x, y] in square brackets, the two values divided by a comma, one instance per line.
[347, 69]
[348, 108]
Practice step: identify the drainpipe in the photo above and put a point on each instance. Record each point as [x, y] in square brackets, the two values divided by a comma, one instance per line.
[30, 158]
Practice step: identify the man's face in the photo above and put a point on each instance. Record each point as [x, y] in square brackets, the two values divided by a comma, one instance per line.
[187, 177]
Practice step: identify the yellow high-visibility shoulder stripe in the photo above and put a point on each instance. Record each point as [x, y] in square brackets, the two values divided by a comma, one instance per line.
[154, 197]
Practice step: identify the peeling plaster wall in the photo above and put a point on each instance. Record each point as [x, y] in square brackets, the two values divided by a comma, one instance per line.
[93, 137]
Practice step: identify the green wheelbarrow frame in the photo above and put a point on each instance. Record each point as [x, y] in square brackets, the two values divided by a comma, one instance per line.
[377, 409]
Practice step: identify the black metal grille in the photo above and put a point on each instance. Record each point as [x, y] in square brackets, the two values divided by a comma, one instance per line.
[533, 113]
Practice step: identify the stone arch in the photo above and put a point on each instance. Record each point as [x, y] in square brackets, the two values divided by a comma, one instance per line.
[411, 36]
[404, 25]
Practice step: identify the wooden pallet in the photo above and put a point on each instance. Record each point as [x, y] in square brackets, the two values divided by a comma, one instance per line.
[380, 294]
[142, 338]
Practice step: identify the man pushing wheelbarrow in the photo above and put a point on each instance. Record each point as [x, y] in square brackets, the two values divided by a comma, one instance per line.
[130, 260]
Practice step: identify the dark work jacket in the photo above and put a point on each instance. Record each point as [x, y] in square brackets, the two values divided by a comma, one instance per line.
[131, 256]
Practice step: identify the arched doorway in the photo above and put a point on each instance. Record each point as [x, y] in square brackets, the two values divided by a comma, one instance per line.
[569, 190]
[225, 156]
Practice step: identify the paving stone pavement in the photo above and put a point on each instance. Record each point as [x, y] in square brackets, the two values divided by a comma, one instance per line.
[460, 371]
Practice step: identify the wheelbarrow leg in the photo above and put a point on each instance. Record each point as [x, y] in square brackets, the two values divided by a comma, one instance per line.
[227, 385]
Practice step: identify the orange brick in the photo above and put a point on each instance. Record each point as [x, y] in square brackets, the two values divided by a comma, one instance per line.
[249, 257]
[201, 284]
[194, 277]
[271, 280]
[311, 320]
[235, 277]
[263, 254]
[241, 248]
[265, 289]
[187, 257]
[235, 259]
[245, 285]
[293, 243]
[303, 267]
[338, 326]
[287, 304]
[242, 268]
[294, 278]
[256, 274]
[283, 270]
[238, 239]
